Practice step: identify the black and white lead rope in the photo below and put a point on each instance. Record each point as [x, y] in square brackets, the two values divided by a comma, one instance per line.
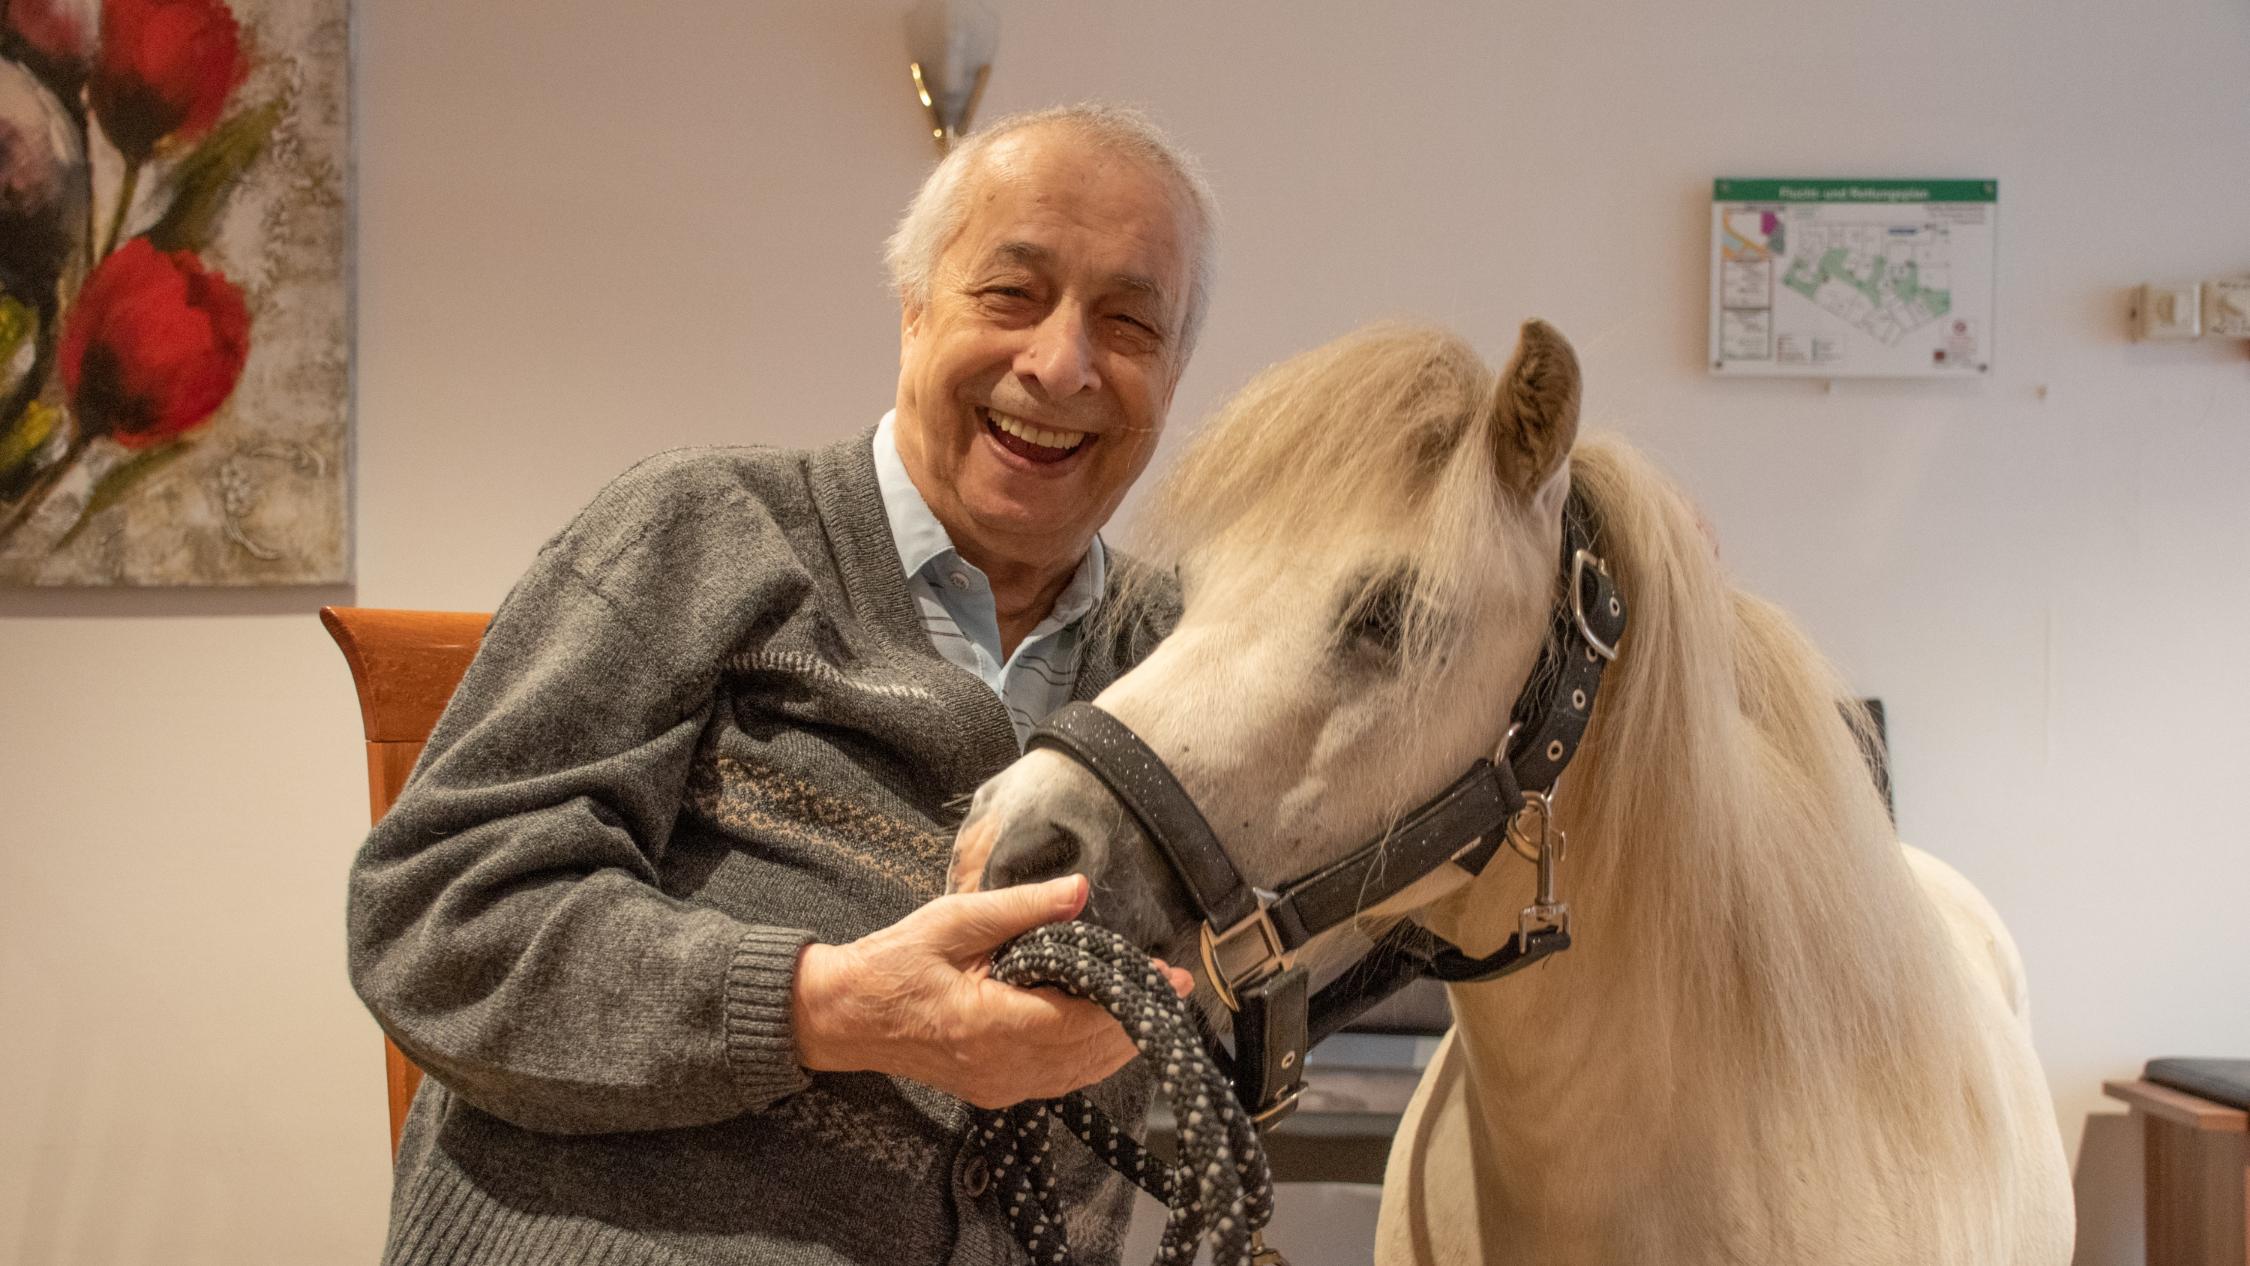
[1218, 1186]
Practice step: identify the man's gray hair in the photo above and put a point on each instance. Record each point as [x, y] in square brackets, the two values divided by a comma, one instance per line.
[941, 206]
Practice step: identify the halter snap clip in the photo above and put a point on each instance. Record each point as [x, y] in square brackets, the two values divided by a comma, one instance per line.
[1548, 912]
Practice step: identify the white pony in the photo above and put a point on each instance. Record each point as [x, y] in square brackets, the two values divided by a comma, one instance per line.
[1779, 1037]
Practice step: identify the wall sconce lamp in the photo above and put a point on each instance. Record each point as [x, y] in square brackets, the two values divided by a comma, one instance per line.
[950, 44]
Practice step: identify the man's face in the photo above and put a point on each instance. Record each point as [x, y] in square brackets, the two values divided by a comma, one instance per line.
[1034, 382]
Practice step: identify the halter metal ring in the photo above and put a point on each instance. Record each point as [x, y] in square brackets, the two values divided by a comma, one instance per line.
[1507, 741]
[1244, 954]
[1578, 564]
[1519, 839]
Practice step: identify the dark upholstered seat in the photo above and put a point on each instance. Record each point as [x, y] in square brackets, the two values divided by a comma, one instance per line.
[2224, 1081]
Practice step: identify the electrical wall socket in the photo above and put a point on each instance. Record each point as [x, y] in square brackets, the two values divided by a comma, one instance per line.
[2168, 310]
[2226, 307]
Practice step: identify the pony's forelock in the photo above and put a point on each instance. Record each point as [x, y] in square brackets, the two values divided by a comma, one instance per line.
[1371, 449]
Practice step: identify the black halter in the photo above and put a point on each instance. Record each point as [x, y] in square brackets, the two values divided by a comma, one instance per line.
[1248, 936]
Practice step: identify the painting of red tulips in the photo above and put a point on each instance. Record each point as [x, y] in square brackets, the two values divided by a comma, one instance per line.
[175, 343]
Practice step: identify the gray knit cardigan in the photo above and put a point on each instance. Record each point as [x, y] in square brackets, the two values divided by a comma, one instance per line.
[704, 728]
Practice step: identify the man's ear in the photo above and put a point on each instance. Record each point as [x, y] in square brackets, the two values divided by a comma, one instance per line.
[909, 315]
[1535, 409]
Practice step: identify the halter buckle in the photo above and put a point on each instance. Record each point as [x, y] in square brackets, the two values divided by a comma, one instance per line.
[1244, 954]
[1578, 564]
[1280, 1108]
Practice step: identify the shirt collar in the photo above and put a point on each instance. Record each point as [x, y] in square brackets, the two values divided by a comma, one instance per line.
[1084, 591]
[916, 531]
[922, 540]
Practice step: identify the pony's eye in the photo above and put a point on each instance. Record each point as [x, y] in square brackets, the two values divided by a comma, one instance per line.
[1378, 618]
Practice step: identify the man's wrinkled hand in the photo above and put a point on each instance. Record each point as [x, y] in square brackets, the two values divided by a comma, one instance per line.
[917, 1000]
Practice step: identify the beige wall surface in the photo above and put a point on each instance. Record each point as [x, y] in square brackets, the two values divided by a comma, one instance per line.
[589, 231]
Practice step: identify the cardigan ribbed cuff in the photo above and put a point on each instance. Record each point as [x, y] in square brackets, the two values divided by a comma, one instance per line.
[761, 1044]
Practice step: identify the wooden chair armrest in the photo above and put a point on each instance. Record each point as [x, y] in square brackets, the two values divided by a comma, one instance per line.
[2177, 1106]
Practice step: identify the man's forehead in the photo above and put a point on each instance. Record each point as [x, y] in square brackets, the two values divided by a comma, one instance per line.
[1027, 177]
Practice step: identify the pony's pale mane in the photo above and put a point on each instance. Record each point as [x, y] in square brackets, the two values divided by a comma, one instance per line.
[1726, 814]
[1323, 442]
[1738, 881]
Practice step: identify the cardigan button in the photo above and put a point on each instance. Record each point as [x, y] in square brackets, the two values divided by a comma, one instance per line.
[976, 1176]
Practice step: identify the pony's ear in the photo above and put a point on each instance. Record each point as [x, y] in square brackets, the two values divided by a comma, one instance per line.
[1535, 409]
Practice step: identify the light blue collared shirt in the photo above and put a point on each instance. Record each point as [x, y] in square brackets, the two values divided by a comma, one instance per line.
[957, 608]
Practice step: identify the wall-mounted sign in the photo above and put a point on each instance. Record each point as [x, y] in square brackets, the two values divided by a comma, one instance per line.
[1853, 278]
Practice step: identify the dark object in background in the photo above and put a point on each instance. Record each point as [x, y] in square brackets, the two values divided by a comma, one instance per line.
[1419, 1010]
[2224, 1081]
[1875, 745]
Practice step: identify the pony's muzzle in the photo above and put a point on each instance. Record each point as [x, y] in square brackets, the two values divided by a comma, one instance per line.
[1035, 848]
[1044, 817]
[1035, 851]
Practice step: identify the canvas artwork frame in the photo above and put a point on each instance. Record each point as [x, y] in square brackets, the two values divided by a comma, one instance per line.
[175, 314]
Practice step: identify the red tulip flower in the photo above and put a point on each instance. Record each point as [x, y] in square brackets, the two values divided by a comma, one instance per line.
[165, 69]
[56, 37]
[153, 346]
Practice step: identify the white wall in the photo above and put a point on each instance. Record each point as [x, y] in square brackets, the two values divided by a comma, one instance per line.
[590, 230]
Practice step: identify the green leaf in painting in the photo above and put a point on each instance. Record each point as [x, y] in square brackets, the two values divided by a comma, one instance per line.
[21, 442]
[19, 332]
[200, 184]
[17, 325]
[122, 480]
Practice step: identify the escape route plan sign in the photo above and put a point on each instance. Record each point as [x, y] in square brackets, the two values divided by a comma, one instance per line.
[1852, 278]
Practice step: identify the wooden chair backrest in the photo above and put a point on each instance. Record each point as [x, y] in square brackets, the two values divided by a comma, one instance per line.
[406, 665]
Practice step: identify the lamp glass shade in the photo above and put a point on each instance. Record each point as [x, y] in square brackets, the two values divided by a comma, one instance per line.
[951, 40]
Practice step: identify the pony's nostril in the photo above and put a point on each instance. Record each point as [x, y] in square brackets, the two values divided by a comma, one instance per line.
[1046, 851]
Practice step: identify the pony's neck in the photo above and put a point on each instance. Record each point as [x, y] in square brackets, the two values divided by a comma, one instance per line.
[1752, 963]
[1731, 871]
[1759, 1047]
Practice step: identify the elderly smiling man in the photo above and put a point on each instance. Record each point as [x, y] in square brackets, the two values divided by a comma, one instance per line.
[659, 913]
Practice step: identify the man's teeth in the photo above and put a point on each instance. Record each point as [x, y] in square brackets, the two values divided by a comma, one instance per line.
[1022, 430]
